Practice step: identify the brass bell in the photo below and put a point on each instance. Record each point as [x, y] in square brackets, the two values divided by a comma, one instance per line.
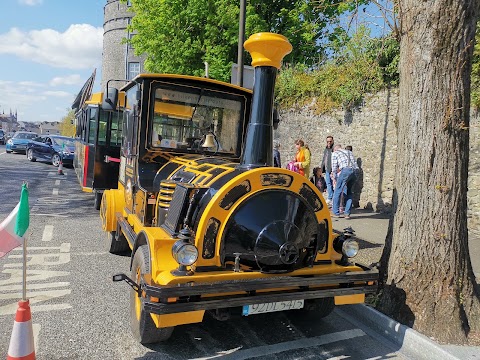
[209, 141]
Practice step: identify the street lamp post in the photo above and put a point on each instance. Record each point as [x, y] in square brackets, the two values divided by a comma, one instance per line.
[241, 39]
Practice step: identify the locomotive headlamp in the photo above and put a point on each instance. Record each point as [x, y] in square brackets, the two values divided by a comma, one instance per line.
[346, 247]
[184, 253]
[350, 248]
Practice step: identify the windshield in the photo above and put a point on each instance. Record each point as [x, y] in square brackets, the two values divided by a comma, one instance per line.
[25, 135]
[62, 141]
[182, 117]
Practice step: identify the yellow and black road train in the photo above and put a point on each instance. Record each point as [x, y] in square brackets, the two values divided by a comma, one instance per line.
[210, 224]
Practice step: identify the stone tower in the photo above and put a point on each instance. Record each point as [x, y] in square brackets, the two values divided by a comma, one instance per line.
[118, 59]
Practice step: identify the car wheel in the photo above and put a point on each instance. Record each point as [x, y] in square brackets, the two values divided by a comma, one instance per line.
[98, 200]
[114, 246]
[55, 160]
[30, 155]
[8, 151]
[143, 327]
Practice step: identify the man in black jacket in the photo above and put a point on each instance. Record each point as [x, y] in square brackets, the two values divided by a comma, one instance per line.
[326, 166]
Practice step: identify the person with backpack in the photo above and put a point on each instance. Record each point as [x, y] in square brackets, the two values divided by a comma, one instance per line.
[344, 168]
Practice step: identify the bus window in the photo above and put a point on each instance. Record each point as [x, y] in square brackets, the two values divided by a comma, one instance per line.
[116, 129]
[102, 127]
[93, 125]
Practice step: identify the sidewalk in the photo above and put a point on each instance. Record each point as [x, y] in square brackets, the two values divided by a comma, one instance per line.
[371, 229]
[370, 232]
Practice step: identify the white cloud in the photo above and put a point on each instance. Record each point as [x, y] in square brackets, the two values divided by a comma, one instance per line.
[32, 102]
[57, 94]
[79, 47]
[66, 80]
[30, 2]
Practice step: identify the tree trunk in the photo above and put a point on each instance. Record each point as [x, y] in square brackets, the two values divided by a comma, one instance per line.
[429, 282]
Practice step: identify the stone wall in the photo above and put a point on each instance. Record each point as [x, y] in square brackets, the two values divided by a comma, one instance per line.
[371, 131]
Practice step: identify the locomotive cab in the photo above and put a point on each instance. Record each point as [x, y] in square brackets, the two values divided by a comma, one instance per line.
[210, 224]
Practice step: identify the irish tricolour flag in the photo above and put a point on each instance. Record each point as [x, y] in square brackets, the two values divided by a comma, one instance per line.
[14, 227]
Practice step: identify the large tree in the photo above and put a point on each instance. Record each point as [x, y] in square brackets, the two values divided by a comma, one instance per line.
[429, 283]
[178, 36]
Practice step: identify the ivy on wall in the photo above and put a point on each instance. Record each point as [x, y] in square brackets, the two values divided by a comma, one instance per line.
[361, 65]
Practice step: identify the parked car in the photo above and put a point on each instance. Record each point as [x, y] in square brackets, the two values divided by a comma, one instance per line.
[2, 137]
[51, 148]
[19, 141]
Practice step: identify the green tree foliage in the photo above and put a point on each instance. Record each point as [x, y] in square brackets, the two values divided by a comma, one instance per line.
[178, 36]
[361, 65]
[67, 126]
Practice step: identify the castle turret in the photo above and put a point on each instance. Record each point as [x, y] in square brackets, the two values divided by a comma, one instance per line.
[118, 60]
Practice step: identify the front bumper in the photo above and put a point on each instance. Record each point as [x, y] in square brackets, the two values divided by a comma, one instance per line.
[17, 147]
[227, 294]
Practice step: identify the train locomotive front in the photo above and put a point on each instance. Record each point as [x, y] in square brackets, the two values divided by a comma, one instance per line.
[229, 237]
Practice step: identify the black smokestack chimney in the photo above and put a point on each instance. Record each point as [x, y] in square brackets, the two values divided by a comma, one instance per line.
[267, 51]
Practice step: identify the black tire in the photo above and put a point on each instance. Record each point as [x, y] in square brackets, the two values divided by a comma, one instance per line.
[30, 155]
[98, 200]
[114, 246]
[143, 327]
[8, 151]
[320, 308]
[56, 160]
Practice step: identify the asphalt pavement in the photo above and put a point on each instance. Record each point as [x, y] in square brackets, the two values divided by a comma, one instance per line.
[370, 231]
[78, 313]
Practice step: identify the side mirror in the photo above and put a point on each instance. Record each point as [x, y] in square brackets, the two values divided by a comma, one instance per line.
[110, 99]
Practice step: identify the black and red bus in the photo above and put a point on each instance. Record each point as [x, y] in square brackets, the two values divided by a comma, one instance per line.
[98, 138]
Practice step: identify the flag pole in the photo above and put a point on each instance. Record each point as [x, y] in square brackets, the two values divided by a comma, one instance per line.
[24, 285]
[24, 289]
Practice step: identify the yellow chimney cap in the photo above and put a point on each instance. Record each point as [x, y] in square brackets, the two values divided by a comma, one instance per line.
[267, 49]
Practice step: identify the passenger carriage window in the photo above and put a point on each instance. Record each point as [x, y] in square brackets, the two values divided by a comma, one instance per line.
[92, 125]
[116, 128]
[102, 128]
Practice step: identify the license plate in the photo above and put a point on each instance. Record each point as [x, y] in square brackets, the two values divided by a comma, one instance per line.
[272, 307]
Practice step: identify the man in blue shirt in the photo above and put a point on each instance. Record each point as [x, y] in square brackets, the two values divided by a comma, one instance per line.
[344, 168]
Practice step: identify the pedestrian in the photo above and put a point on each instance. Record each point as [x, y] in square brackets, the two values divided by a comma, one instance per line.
[344, 168]
[344, 192]
[326, 166]
[318, 180]
[276, 154]
[302, 158]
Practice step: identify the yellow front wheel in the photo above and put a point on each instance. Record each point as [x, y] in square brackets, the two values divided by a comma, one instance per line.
[141, 322]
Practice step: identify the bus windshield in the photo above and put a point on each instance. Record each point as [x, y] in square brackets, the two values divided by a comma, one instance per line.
[181, 119]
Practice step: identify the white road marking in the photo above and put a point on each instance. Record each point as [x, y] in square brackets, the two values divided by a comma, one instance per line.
[47, 233]
[53, 215]
[41, 259]
[64, 247]
[35, 286]
[2, 153]
[262, 351]
[36, 333]
[57, 182]
[51, 174]
[43, 285]
[11, 309]
[55, 192]
[16, 276]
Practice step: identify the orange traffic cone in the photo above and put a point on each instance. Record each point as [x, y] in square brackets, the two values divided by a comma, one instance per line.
[21, 343]
[60, 168]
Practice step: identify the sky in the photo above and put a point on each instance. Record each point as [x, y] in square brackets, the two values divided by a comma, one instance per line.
[48, 50]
